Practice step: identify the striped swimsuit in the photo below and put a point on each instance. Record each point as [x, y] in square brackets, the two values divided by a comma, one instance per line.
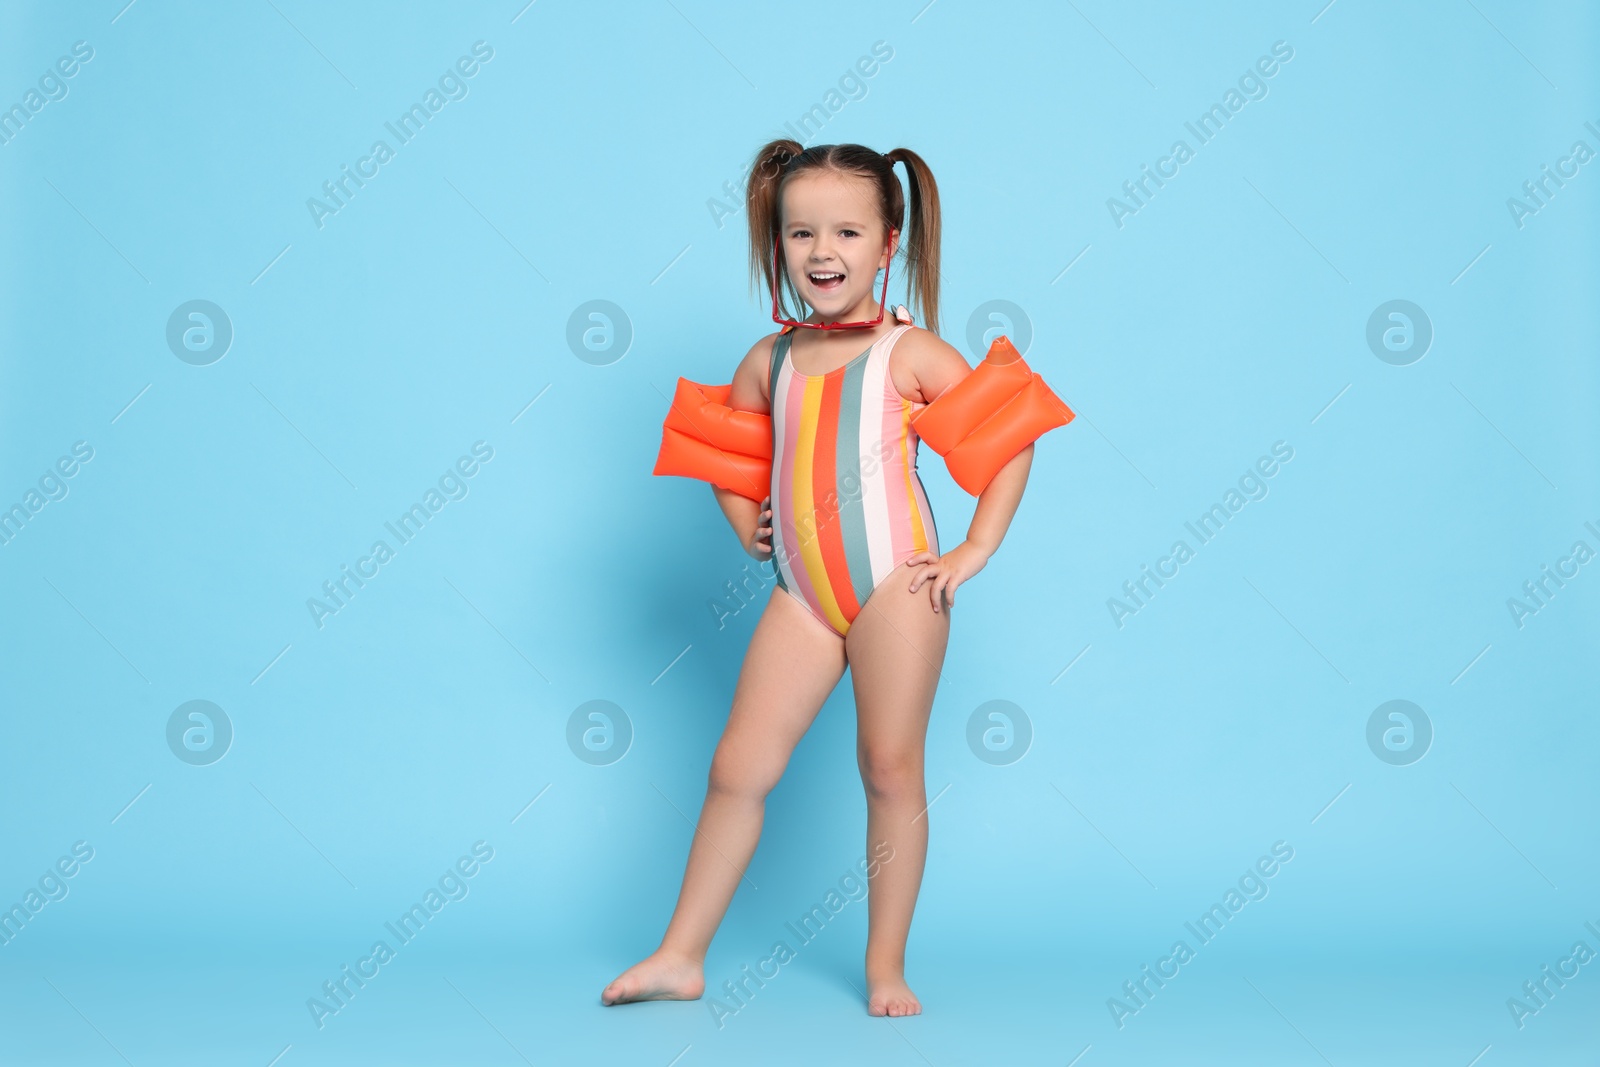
[847, 504]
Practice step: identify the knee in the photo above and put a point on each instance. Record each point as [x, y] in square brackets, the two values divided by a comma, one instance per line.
[734, 775]
[891, 773]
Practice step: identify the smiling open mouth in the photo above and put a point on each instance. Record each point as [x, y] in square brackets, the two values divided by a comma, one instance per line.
[826, 280]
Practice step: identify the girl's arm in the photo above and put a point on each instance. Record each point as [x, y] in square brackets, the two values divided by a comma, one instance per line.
[998, 502]
[748, 518]
[937, 367]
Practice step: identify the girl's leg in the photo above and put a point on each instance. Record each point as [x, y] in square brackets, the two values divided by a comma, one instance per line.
[793, 663]
[896, 648]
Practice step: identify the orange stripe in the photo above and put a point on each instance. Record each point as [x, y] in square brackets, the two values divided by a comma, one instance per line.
[805, 504]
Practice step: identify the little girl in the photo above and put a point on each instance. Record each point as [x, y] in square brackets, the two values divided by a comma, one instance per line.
[861, 578]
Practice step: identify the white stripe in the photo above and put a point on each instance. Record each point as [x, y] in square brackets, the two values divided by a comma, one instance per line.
[875, 489]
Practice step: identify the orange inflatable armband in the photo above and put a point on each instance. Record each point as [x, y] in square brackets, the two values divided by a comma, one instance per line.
[704, 438]
[979, 424]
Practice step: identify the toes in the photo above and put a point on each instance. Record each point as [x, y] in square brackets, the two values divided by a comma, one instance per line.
[894, 1005]
[895, 1008]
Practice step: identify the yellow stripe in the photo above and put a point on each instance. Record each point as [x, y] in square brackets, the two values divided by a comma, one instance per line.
[919, 536]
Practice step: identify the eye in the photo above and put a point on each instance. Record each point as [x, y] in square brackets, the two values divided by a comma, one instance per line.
[849, 233]
[801, 233]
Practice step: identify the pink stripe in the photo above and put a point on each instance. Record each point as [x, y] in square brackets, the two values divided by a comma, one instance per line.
[894, 472]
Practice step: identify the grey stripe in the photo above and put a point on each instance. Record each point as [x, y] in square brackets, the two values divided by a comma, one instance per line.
[847, 476]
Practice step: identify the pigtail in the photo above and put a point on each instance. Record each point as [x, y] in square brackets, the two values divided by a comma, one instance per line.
[761, 208]
[921, 241]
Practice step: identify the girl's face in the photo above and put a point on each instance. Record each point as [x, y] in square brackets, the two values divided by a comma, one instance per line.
[834, 244]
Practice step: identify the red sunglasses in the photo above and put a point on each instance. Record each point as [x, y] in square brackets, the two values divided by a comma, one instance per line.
[882, 298]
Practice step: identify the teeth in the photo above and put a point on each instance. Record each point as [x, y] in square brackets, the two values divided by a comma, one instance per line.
[825, 277]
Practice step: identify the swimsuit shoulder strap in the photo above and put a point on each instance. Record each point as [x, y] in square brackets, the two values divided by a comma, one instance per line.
[780, 347]
[888, 339]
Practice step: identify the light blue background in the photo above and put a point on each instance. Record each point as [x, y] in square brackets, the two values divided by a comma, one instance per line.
[369, 353]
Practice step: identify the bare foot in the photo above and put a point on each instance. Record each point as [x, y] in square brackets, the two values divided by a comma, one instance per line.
[659, 976]
[888, 994]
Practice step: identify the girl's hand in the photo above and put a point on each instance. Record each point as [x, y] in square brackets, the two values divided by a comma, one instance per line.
[944, 573]
[760, 543]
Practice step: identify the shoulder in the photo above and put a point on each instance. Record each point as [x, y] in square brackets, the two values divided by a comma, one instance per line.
[933, 361]
[750, 378]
